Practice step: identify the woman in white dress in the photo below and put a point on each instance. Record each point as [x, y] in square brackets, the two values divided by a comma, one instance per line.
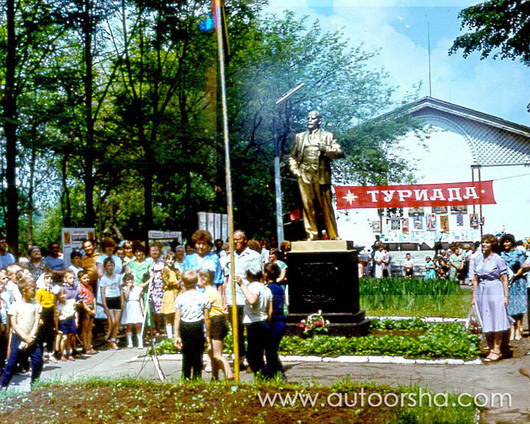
[133, 316]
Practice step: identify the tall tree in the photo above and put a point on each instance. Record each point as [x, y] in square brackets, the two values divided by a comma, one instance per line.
[280, 53]
[25, 45]
[10, 127]
[500, 28]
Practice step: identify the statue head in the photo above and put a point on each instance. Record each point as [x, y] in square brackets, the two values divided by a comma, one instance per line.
[314, 119]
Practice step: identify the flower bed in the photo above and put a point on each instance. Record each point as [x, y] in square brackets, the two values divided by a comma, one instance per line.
[436, 341]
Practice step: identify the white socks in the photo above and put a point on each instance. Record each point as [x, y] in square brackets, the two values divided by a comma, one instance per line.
[140, 341]
[169, 331]
[129, 339]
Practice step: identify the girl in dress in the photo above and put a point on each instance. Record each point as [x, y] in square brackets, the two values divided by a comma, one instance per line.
[430, 269]
[156, 293]
[490, 295]
[517, 300]
[171, 279]
[134, 310]
[87, 310]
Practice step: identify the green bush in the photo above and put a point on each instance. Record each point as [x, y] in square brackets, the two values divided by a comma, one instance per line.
[439, 340]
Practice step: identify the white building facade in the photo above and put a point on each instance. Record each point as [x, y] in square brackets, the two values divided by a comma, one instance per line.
[463, 145]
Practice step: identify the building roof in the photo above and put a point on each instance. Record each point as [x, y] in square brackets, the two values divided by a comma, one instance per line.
[493, 141]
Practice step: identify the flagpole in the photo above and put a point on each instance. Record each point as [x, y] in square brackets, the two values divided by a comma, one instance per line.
[221, 52]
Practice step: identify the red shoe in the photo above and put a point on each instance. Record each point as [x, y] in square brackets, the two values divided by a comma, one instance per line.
[71, 358]
[63, 358]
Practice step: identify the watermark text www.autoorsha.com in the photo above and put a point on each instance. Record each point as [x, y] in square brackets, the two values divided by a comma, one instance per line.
[363, 399]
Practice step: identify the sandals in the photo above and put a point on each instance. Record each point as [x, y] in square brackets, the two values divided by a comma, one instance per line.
[492, 357]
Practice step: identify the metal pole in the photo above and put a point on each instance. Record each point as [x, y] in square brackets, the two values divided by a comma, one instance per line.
[278, 186]
[480, 206]
[221, 52]
[277, 174]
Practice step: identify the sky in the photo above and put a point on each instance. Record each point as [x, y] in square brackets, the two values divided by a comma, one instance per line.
[399, 30]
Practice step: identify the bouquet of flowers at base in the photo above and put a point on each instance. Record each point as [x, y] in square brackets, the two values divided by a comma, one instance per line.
[314, 324]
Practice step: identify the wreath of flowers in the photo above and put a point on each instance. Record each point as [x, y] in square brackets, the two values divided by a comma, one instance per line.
[314, 324]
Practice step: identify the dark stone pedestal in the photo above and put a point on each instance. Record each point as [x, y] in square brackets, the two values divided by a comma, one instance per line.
[323, 275]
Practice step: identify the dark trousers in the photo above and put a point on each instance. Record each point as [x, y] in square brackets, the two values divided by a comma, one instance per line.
[33, 352]
[192, 335]
[277, 331]
[258, 337]
[46, 332]
[4, 340]
[240, 328]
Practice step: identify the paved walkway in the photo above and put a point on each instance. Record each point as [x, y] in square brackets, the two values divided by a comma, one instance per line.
[500, 377]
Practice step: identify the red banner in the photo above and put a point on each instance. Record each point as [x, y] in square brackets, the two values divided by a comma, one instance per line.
[397, 196]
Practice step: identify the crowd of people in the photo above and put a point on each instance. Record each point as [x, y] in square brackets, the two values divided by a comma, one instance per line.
[125, 293]
[50, 312]
[496, 267]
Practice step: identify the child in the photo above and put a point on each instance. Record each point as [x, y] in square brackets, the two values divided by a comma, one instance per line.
[111, 299]
[430, 269]
[274, 257]
[5, 301]
[276, 320]
[134, 310]
[257, 304]
[170, 277]
[46, 333]
[191, 313]
[87, 310]
[24, 316]
[75, 267]
[66, 322]
[12, 284]
[69, 285]
[408, 266]
[442, 268]
[218, 325]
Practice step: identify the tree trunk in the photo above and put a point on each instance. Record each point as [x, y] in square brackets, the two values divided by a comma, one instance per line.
[10, 130]
[32, 161]
[65, 195]
[88, 176]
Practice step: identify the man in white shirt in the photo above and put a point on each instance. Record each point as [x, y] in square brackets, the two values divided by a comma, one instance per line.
[243, 257]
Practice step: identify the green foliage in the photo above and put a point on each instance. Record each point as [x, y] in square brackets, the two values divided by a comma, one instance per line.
[166, 346]
[155, 156]
[450, 340]
[499, 28]
[398, 324]
[417, 297]
[438, 340]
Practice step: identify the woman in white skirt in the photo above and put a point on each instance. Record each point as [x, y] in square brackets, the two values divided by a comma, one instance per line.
[490, 295]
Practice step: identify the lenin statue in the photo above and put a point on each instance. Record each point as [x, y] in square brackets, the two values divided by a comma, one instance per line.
[310, 163]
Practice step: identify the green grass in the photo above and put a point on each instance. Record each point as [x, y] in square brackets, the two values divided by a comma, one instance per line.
[413, 297]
